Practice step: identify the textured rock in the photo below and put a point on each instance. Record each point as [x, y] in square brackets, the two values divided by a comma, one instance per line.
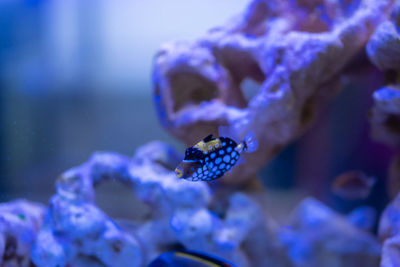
[318, 236]
[393, 183]
[363, 217]
[385, 119]
[389, 224]
[295, 49]
[384, 51]
[20, 221]
[384, 46]
[75, 230]
[391, 252]
[389, 233]
[80, 233]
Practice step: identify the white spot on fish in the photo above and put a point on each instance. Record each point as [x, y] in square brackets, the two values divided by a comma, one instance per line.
[221, 152]
[222, 166]
[218, 161]
[213, 155]
[229, 149]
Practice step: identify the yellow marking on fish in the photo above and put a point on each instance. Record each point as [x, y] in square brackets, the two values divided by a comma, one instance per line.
[196, 258]
[178, 173]
[209, 146]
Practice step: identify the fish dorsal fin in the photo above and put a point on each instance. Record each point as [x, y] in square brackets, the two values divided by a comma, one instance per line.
[208, 138]
[192, 153]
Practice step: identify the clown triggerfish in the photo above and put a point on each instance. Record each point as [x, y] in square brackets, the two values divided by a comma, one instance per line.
[210, 158]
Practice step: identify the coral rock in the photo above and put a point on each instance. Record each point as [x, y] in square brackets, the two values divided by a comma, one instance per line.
[363, 217]
[295, 50]
[82, 230]
[20, 221]
[391, 252]
[384, 46]
[318, 236]
[385, 119]
[384, 51]
[389, 224]
[393, 183]
[80, 233]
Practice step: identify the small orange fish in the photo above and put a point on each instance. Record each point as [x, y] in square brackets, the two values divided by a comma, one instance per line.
[353, 185]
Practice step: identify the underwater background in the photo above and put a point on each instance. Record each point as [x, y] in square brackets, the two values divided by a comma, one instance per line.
[77, 77]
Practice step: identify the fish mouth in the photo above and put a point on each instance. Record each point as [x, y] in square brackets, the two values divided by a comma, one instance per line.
[178, 173]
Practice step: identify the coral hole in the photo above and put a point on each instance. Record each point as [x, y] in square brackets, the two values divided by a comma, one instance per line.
[392, 123]
[250, 88]
[240, 64]
[118, 201]
[191, 88]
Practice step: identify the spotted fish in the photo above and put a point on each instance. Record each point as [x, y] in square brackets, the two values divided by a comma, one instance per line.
[210, 158]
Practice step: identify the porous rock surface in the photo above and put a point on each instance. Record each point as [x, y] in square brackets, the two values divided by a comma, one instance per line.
[20, 221]
[75, 232]
[384, 51]
[295, 50]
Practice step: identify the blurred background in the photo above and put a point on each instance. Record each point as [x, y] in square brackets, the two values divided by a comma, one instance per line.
[75, 78]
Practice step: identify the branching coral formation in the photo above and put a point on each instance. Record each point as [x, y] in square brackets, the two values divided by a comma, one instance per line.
[384, 51]
[20, 220]
[76, 232]
[296, 50]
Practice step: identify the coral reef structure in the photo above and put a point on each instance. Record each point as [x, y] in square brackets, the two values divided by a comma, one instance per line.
[318, 236]
[384, 51]
[296, 50]
[20, 221]
[81, 233]
[75, 232]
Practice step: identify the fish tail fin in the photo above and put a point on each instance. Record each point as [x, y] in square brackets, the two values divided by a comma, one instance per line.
[250, 143]
[245, 147]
